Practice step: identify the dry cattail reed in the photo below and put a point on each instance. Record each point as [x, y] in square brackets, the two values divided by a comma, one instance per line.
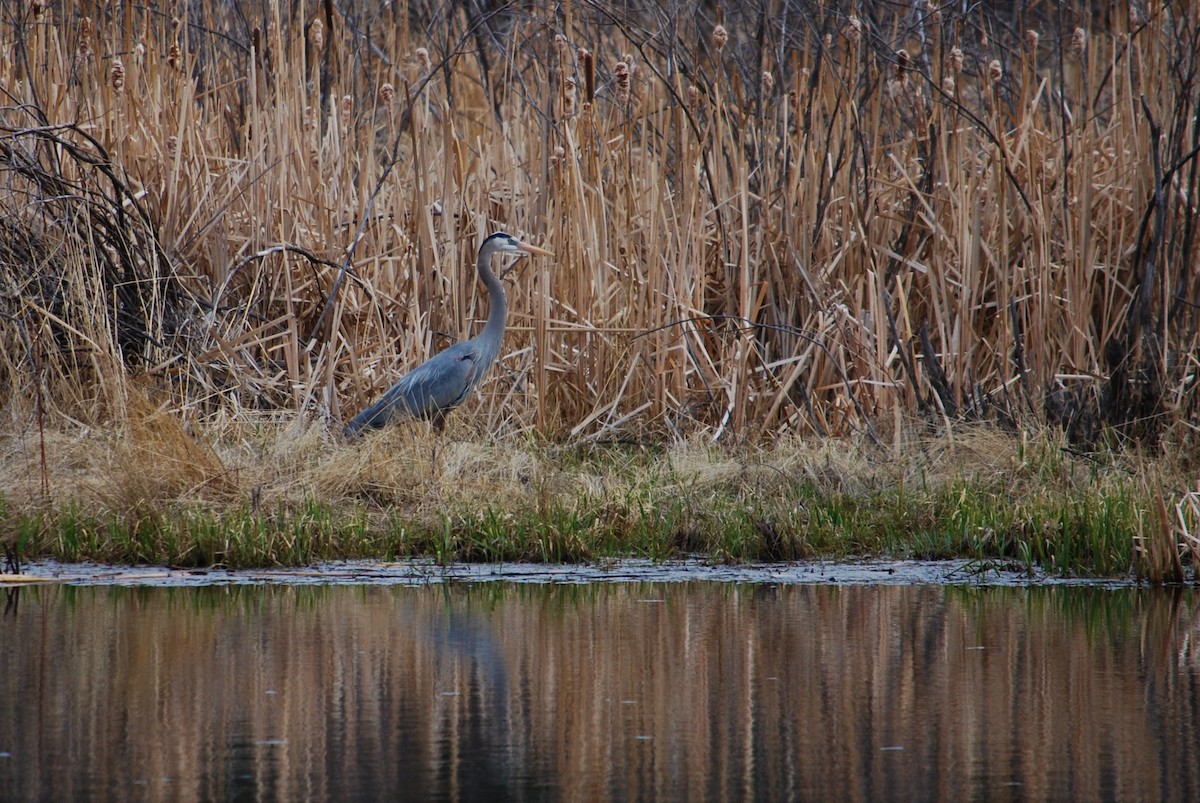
[670, 220]
[116, 75]
[954, 61]
[83, 50]
[175, 52]
[588, 67]
[1079, 42]
[720, 37]
[853, 29]
[621, 75]
[568, 96]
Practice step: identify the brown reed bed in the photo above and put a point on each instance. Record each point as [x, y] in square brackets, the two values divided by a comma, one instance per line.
[772, 221]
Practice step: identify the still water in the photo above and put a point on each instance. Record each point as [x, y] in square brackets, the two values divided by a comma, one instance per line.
[617, 691]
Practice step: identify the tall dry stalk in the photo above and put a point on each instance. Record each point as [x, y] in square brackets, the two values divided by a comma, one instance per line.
[804, 221]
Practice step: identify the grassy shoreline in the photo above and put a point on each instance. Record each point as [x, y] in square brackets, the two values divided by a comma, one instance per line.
[780, 227]
[286, 495]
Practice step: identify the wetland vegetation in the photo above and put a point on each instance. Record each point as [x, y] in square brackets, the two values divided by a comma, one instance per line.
[916, 282]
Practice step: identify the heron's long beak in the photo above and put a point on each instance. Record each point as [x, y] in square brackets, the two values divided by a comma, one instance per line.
[533, 249]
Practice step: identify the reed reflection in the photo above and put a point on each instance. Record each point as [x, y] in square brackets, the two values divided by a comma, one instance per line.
[671, 691]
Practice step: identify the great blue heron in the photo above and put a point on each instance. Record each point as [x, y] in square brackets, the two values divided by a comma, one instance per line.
[441, 383]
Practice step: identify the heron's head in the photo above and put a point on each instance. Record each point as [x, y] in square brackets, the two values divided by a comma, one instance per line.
[504, 243]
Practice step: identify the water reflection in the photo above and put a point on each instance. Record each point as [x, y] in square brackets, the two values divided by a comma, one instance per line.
[634, 691]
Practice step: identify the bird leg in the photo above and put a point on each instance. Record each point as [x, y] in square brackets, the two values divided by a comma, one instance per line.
[439, 427]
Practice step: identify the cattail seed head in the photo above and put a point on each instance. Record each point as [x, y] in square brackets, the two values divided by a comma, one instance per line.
[83, 50]
[560, 45]
[634, 71]
[387, 93]
[621, 74]
[424, 60]
[309, 120]
[720, 37]
[853, 29]
[768, 82]
[693, 96]
[172, 145]
[317, 33]
[568, 95]
[175, 57]
[995, 71]
[1079, 41]
[955, 60]
[116, 75]
[347, 110]
[902, 62]
[587, 66]
[1032, 37]
[948, 86]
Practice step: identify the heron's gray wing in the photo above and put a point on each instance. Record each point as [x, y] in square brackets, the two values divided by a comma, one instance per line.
[441, 382]
[435, 386]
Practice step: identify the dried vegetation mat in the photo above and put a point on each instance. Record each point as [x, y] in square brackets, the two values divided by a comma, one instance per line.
[269, 491]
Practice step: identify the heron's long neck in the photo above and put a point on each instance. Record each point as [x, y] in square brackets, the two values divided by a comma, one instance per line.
[493, 331]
